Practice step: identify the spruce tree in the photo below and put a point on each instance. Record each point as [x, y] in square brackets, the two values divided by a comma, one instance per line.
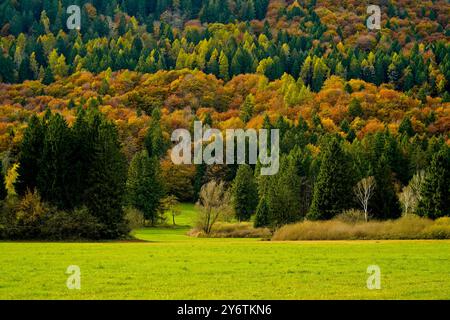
[145, 188]
[262, 214]
[105, 180]
[154, 140]
[333, 187]
[247, 108]
[29, 156]
[435, 195]
[384, 202]
[283, 195]
[53, 178]
[245, 193]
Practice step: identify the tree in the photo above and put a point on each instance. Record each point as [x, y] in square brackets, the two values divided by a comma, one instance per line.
[104, 195]
[224, 67]
[435, 195]
[29, 156]
[333, 187]
[283, 195]
[406, 127]
[144, 185]
[407, 199]
[3, 191]
[48, 76]
[214, 202]
[170, 204]
[154, 140]
[262, 214]
[54, 167]
[384, 203]
[244, 193]
[247, 108]
[354, 109]
[364, 191]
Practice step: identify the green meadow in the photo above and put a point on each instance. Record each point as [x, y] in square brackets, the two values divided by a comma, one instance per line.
[164, 263]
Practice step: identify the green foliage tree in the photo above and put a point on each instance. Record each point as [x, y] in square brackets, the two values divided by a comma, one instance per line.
[144, 186]
[333, 187]
[435, 193]
[244, 193]
[29, 156]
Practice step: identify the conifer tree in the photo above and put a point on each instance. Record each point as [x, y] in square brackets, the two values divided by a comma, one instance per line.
[3, 191]
[435, 193]
[333, 187]
[144, 185]
[30, 153]
[244, 193]
[262, 214]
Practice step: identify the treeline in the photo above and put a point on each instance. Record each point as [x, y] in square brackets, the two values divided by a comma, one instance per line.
[73, 182]
[26, 16]
[70, 180]
[223, 50]
[409, 174]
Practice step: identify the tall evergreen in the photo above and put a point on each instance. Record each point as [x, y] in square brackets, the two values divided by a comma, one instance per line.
[384, 202]
[30, 152]
[53, 178]
[145, 188]
[333, 187]
[262, 214]
[154, 140]
[245, 193]
[106, 180]
[435, 195]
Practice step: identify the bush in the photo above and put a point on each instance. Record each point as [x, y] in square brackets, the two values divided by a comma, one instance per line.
[76, 225]
[134, 218]
[351, 216]
[234, 230]
[408, 227]
[30, 218]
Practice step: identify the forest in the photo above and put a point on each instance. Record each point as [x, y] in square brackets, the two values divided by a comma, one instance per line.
[86, 115]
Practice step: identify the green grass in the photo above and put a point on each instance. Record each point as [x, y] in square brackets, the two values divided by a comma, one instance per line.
[172, 265]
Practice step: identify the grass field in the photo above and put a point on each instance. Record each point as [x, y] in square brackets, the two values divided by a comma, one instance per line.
[170, 265]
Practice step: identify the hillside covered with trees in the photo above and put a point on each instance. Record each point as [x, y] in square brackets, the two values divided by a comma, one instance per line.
[86, 115]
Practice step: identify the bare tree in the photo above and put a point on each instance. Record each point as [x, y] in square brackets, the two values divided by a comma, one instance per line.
[364, 191]
[411, 194]
[408, 199]
[214, 201]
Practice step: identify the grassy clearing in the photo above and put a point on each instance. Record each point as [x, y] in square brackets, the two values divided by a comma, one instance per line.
[174, 266]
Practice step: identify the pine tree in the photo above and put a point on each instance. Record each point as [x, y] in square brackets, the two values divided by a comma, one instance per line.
[262, 214]
[435, 195]
[224, 67]
[245, 193]
[144, 185]
[247, 108]
[333, 187]
[406, 127]
[283, 195]
[48, 76]
[29, 156]
[384, 203]
[154, 140]
[53, 178]
[104, 195]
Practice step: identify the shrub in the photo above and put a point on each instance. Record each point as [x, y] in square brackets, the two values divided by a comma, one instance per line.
[408, 227]
[75, 225]
[134, 218]
[235, 230]
[351, 216]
